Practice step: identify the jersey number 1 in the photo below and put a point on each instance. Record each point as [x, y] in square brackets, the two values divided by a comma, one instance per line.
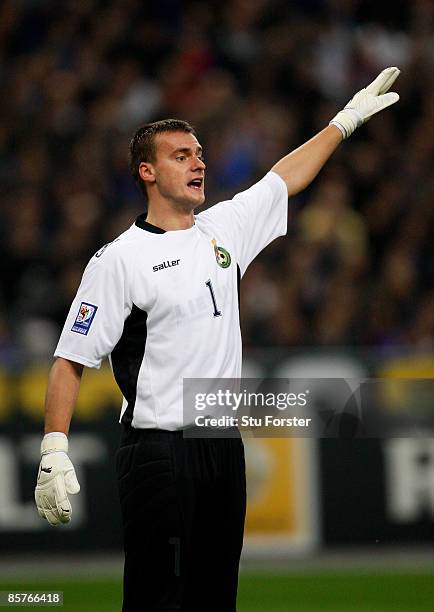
[217, 312]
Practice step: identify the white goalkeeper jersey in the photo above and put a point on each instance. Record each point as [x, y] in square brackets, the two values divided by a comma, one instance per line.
[164, 305]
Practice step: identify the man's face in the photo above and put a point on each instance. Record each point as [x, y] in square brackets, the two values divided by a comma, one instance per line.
[179, 169]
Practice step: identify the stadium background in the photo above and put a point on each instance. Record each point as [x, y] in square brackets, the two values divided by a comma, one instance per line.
[333, 524]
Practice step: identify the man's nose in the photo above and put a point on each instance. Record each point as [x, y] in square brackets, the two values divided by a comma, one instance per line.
[198, 164]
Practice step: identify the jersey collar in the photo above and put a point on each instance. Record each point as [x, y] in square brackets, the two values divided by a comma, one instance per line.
[143, 224]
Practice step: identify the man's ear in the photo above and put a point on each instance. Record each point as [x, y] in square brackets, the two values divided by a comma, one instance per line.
[146, 172]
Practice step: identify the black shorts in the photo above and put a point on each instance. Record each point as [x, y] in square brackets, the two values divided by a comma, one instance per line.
[183, 503]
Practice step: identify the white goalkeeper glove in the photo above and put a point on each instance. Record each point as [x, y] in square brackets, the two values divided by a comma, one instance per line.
[368, 101]
[56, 478]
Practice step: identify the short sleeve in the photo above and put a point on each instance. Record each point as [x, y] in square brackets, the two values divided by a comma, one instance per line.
[96, 318]
[253, 218]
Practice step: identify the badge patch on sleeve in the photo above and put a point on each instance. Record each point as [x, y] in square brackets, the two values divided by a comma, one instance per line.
[84, 318]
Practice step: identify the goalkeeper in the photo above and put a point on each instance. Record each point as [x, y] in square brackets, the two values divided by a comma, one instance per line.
[183, 500]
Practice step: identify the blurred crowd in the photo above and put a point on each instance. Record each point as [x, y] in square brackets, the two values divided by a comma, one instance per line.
[256, 78]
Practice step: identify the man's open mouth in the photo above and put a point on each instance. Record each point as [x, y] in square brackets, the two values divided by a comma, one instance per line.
[196, 184]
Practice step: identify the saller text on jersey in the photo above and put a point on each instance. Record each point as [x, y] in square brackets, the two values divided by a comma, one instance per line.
[166, 264]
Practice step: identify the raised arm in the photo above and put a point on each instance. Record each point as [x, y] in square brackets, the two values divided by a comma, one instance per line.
[300, 167]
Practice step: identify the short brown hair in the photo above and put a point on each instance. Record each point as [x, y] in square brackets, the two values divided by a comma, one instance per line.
[142, 145]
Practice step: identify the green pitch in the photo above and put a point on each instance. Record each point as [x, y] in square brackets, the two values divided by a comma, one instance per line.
[364, 591]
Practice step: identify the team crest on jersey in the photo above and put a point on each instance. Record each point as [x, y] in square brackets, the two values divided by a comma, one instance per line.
[84, 318]
[222, 255]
